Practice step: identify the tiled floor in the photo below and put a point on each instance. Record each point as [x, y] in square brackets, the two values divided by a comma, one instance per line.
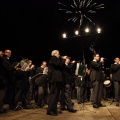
[84, 112]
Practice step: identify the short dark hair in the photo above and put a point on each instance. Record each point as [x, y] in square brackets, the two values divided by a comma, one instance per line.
[95, 54]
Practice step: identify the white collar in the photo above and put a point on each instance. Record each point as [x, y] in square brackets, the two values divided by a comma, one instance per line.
[95, 60]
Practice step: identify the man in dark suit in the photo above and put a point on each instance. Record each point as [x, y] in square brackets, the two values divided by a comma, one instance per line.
[65, 99]
[6, 81]
[115, 71]
[56, 66]
[41, 84]
[96, 76]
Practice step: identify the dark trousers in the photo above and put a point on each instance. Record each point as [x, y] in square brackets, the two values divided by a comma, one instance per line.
[23, 93]
[10, 95]
[41, 92]
[65, 98]
[2, 96]
[117, 91]
[84, 94]
[21, 97]
[53, 97]
[97, 92]
[40, 95]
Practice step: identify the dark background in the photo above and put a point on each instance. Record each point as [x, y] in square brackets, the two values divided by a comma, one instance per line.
[33, 28]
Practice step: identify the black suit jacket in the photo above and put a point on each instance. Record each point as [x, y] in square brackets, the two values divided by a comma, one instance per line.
[69, 73]
[6, 71]
[56, 67]
[96, 71]
[115, 71]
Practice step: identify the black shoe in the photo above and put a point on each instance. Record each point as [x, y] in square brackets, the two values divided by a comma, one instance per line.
[102, 105]
[105, 99]
[63, 108]
[52, 113]
[28, 107]
[12, 107]
[40, 106]
[72, 103]
[32, 106]
[3, 111]
[79, 102]
[84, 100]
[95, 106]
[72, 110]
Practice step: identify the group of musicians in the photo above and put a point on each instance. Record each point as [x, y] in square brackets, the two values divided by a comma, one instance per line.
[52, 82]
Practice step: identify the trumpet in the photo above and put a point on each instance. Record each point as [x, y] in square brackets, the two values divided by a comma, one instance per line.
[74, 61]
[64, 57]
